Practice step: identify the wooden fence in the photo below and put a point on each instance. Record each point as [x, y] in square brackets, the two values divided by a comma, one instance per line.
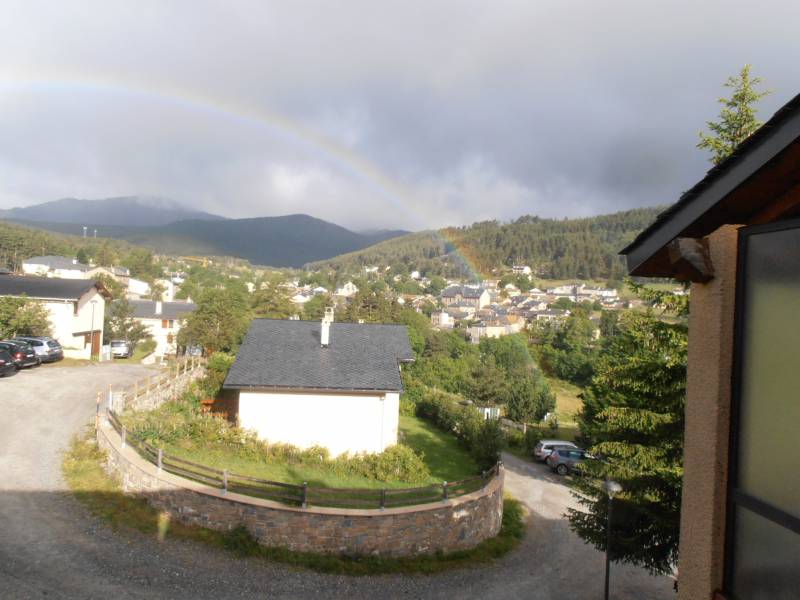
[149, 392]
[300, 495]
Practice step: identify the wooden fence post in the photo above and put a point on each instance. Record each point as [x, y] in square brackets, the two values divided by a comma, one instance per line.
[225, 481]
[122, 435]
[305, 495]
[383, 498]
[444, 491]
[160, 459]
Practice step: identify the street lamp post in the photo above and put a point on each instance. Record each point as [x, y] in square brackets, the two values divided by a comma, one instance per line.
[612, 488]
[91, 349]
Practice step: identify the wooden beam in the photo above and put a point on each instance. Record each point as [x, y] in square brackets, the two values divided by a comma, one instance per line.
[690, 259]
[776, 209]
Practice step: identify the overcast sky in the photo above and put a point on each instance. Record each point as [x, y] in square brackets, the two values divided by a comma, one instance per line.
[376, 114]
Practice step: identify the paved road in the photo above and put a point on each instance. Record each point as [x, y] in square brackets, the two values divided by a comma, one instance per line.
[50, 547]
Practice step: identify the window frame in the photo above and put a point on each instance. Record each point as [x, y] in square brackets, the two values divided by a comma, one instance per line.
[736, 497]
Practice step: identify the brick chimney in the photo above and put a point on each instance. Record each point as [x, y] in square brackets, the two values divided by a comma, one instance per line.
[325, 331]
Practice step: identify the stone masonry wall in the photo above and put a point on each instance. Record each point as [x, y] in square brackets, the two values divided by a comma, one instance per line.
[152, 392]
[457, 524]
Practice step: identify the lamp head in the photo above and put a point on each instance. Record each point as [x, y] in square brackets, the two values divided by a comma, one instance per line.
[612, 488]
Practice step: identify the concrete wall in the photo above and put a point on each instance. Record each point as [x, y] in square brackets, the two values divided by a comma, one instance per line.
[446, 526]
[340, 422]
[708, 401]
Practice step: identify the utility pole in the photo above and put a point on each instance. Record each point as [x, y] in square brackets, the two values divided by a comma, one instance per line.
[95, 234]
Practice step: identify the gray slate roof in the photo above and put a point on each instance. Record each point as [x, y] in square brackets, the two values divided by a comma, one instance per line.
[45, 288]
[287, 354]
[146, 309]
[57, 262]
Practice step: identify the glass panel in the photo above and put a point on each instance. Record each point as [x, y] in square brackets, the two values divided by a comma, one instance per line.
[766, 559]
[769, 449]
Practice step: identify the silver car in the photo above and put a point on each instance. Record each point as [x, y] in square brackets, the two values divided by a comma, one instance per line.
[121, 349]
[545, 447]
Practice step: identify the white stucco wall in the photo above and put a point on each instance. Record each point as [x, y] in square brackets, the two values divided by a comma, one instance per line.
[65, 323]
[161, 334]
[342, 423]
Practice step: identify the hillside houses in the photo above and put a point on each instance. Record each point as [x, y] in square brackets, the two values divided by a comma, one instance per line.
[465, 296]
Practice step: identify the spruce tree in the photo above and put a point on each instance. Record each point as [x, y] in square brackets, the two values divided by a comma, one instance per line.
[737, 119]
[632, 422]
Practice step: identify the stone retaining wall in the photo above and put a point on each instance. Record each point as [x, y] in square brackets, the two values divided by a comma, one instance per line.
[151, 392]
[457, 524]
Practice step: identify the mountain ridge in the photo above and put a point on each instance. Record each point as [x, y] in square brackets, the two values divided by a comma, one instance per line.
[120, 210]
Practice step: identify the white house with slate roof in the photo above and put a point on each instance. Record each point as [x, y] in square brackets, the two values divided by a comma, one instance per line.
[75, 309]
[327, 384]
[163, 320]
[55, 266]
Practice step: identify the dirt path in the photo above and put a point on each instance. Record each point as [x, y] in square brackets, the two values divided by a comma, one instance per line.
[50, 547]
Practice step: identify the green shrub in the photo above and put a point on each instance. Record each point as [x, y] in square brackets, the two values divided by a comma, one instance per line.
[488, 444]
[147, 347]
[219, 363]
[532, 437]
[399, 463]
[408, 407]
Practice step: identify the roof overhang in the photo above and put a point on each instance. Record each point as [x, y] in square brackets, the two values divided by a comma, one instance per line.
[759, 183]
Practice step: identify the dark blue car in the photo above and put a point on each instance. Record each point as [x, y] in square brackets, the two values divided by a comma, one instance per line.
[7, 366]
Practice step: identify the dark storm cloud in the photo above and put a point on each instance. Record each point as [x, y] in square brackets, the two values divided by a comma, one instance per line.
[376, 114]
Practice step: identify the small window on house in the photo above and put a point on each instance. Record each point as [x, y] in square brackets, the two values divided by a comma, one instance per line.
[164, 324]
[171, 323]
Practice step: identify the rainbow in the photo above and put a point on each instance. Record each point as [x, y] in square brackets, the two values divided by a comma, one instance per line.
[342, 158]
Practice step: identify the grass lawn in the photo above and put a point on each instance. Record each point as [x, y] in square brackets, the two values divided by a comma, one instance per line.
[444, 456]
[447, 460]
[568, 404]
[103, 498]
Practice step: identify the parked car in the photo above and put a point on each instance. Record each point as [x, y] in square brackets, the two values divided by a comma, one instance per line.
[545, 447]
[46, 348]
[7, 366]
[24, 355]
[121, 349]
[564, 460]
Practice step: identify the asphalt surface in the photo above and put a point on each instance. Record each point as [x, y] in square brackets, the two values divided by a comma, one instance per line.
[51, 548]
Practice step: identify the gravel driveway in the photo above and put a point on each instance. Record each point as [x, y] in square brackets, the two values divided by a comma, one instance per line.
[50, 547]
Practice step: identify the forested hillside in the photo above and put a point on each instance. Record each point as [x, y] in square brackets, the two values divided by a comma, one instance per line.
[556, 249]
[18, 243]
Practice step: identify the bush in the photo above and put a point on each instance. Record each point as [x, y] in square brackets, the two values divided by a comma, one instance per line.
[532, 437]
[147, 347]
[408, 407]
[488, 443]
[483, 438]
[219, 363]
